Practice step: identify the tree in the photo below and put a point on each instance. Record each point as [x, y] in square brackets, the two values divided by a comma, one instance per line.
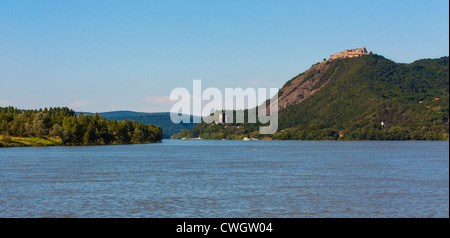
[138, 136]
[55, 131]
[41, 124]
[89, 137]
[66, 137]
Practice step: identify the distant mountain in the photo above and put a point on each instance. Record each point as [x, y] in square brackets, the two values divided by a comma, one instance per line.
[123, 113]
[362, 98]
[350, 94]
[157, 119]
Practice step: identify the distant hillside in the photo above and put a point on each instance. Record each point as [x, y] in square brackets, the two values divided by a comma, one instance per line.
[363, 98]
[359, 92]
[157, 119]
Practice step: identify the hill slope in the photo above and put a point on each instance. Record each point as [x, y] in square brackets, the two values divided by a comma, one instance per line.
[372, 88]
[369, 97]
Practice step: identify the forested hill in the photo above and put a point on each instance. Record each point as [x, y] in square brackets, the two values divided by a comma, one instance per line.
[410, 100]
[158, 119]
[62, 126]
[364, 98]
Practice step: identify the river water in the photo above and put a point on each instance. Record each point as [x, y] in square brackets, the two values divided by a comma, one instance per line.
[205, 178]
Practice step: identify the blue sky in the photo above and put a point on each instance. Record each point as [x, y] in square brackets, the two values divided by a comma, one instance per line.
[129, 55]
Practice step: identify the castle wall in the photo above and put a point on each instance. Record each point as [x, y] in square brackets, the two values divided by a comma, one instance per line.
[350, 53]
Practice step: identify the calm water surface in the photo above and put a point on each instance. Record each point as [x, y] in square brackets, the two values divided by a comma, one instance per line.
[199, 178]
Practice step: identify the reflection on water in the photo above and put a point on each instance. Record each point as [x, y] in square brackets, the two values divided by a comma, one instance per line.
[183, 178]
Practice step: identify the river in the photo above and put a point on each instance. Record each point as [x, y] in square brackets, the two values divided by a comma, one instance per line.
[206, 178]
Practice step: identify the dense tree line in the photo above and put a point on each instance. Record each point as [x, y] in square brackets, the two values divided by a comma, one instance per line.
[372, 132]
[74, 129]
[160, 119]
[317, 132]
[237, 131]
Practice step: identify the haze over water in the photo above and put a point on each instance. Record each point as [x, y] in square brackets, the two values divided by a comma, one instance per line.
[200, 178]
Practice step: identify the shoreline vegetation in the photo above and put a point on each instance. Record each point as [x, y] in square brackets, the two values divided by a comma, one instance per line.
[317, 133]
[14, 141]
[62, 127]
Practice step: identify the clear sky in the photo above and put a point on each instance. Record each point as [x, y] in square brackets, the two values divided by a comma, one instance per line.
[128, 55]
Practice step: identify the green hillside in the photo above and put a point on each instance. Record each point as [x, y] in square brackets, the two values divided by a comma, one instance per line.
[364, 98]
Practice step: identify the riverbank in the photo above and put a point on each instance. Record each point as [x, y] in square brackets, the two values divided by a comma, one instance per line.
[12, 141]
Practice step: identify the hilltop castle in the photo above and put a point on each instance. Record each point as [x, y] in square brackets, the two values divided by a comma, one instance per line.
[350, 53]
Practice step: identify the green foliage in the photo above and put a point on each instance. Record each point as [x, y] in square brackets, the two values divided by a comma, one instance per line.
[372, 132]
[158, 119]
[65, 125]
[235, 131]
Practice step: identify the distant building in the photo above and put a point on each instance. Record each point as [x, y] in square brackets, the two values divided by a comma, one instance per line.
[350, 53]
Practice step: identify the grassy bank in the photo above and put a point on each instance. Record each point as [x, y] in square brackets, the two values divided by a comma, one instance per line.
[12, 141]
